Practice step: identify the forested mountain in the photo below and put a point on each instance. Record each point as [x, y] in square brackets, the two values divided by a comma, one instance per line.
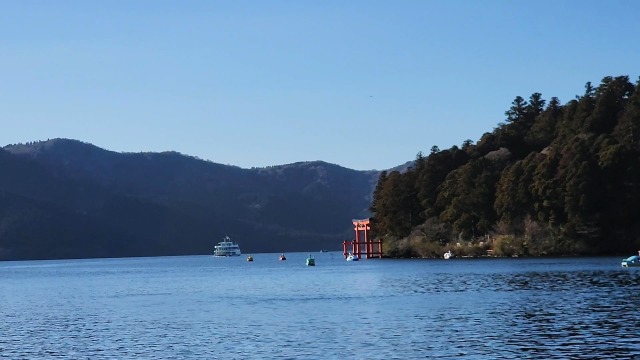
[68, 199]
[552, 179]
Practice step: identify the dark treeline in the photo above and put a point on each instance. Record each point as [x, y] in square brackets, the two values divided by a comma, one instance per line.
[552, 179]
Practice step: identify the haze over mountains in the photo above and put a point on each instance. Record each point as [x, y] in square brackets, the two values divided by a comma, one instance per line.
[68, 199]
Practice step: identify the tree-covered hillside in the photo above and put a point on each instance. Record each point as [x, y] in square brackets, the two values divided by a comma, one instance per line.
[552, 179]
[68, 199]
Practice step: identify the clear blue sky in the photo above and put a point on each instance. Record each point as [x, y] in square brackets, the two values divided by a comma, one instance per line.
[363, 84]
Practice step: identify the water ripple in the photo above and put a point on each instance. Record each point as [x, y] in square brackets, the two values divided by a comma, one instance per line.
[203, 308]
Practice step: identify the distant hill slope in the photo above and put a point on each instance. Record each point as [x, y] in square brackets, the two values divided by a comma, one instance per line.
[65, 199]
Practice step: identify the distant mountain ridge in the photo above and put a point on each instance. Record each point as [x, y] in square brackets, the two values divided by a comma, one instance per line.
[64, 198]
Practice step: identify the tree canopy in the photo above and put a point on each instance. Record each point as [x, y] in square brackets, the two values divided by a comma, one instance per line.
[553, 179]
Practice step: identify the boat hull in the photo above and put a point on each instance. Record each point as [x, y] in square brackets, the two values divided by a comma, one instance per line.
[626, 264]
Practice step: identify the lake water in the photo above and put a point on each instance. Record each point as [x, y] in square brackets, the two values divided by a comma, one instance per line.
[201, 307]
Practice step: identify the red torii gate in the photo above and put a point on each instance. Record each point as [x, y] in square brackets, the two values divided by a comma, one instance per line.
[366, 244]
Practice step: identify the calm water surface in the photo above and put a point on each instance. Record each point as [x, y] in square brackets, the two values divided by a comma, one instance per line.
[201, 307]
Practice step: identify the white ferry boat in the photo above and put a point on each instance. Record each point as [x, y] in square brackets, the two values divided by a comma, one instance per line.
[226, 248]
